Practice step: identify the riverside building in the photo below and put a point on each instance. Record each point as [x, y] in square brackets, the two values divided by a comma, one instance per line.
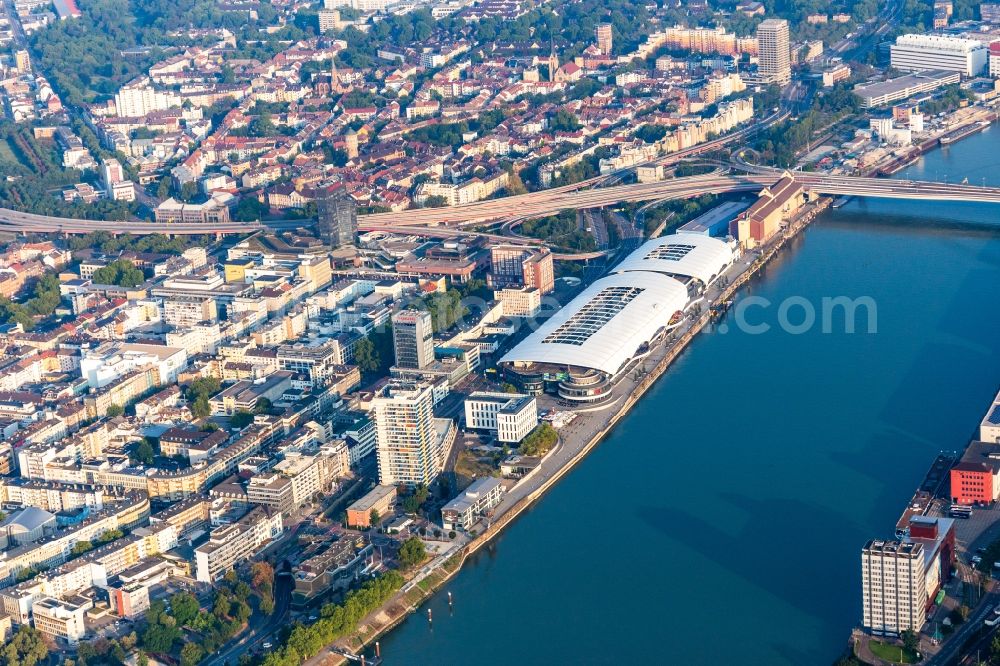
[410, 450]
[915, 53]
[581, 351]
[510, 416]
[894, 588]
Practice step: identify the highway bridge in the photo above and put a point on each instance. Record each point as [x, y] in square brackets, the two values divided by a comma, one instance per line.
[545, 202]
[537, 204]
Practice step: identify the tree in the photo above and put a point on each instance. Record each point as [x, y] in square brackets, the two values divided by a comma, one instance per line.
[416, 499]
[563, 121]
[241, 418]
[366, 356]
[129, 641]
[159, 636]
[200, 408]
[198, 394]
[515, 185]
[191, 654]
[336, 156]
[910, 640]
[995, 648]
[189, 191]
[651, 133]
[412, 553]
[120, 272]
[107, 536]
[241, 611]
[539, 441]
[184, 607]
[81, 547]
[242, 591]
[114, 411]
[266, 605]
[374, 518]
[262, 125]
[435, 201]
[143, 452]
[249, 209]
[261, 573]
[86, 652]
[221, 605]
[262, 406]
[26, 648]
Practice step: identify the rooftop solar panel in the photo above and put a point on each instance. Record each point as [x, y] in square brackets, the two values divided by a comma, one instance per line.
[593, 316]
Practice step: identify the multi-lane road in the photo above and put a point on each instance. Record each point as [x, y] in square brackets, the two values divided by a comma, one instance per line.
[546, 202]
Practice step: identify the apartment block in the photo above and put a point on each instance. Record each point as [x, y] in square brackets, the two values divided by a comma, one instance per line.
[231, 544]
[409, 449]
[893, 581]
[476, 500]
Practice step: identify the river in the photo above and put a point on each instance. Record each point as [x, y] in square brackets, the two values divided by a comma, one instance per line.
[722, 521]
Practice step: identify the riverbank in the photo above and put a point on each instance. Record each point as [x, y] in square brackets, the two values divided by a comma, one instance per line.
[963, 123]
[571, 453]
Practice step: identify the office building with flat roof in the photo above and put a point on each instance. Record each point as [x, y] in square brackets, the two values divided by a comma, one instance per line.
[413, 339]
[521, 266]
[381, 499]
[915, 53]
[903, 87]
[989, 429]
[59, 618]
[510, 416]
[976, 477]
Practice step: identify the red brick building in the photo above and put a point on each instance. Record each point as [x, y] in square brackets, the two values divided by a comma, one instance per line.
[976, 478]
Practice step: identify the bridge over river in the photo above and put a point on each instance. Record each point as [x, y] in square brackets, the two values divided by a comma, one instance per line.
[535, 204]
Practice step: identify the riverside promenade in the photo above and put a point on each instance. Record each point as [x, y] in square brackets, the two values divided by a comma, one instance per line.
[576, 441]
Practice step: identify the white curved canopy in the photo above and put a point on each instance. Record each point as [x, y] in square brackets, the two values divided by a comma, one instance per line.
[690, 255]
[604, 326]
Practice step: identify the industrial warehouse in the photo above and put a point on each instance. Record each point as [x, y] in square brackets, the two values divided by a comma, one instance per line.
[582, 351]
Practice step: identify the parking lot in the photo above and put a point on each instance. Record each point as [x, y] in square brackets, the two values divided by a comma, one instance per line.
[982, 529]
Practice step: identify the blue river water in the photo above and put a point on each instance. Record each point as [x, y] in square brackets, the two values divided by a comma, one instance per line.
[722, 521]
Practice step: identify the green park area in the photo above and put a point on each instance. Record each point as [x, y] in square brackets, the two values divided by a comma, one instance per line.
[8, 156]
[897, 654]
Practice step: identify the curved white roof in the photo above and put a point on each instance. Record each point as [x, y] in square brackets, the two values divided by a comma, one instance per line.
[690, 255]
[604, 326]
